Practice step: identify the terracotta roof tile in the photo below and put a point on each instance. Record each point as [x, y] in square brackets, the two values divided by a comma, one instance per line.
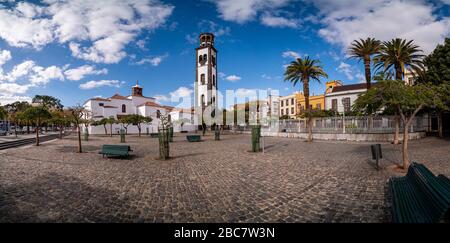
[118, 97]
[149, 103]
[349, 87]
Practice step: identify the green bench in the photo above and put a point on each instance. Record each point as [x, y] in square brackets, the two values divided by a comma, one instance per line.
[193, 138]
[115, 150]
[420, 196]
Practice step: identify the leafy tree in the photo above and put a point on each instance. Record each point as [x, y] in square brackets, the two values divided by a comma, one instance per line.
[103, 122]
[407, 100]
[3, 113]
[302, 70]
[126, 121]
[136, 120]
[438, 65]
[364, 50]
[60, 119]
[399, 54]
[14, 111]
[48, 102]
[438, 72]
[39, 114]
[111, 120]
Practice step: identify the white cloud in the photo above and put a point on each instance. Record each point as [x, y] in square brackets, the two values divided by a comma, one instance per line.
[233, 78]
[82, 71]
[346, 69]
[265, 76]
[274, 21]
[291, 54]
[96, 31]
[182, 96]
[20, 70]
[42, 76]
[13, 88]
[8, 99]
[5, 56]
[154, 61]
[346, 21]
[101, 83]
[243, 11]
[361, 78]
[246, 93]
[212, 27]
[222, 75]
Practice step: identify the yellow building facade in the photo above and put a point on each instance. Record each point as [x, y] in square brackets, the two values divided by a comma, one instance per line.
[316, 101]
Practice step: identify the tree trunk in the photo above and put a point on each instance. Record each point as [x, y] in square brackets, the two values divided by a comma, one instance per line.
[440, 125]
[139, 130]
[37, 135]
[405, 144]
[106, 130]
[60, 132]
[398, 72]
[79, 139]
[307, 108]
[397, 128]
[111, 130]
[367, 71]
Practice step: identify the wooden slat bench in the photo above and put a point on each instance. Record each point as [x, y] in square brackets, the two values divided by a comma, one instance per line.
[420, 196]
[116, 150]
[193, 138]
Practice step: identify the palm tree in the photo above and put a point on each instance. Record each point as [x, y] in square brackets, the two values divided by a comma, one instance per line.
[363, 50]
[399, 54]
[302, 70]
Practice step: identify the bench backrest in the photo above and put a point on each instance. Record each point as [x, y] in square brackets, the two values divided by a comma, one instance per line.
[435, 196]
[116, 147]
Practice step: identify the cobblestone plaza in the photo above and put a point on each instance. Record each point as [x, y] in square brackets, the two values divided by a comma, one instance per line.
[220, 181]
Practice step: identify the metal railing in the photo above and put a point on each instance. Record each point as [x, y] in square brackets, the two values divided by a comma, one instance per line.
[338, 125]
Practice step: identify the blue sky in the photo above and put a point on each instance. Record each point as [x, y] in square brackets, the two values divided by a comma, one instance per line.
[75, 50]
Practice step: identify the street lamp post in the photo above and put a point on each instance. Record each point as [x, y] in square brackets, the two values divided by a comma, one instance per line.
[343, 116]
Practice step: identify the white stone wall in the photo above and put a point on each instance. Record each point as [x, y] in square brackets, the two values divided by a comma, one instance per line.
[353, 95]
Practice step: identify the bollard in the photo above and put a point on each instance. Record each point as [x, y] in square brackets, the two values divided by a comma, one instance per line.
[256, 137]
[86, 134]
[376, 153]
[122, 135]
[217, 133]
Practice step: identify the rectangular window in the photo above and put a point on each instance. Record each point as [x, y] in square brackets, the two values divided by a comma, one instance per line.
[282, 112]
[292, 102]
[101, 104]
[282, 103]
[334, 106]
[292, 111]
[346, 103]
[287, 111]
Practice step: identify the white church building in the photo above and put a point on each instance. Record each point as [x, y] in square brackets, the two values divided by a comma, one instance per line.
[118, 106]
[205, 97]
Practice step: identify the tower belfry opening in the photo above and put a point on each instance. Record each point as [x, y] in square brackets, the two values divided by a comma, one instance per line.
[206, 82]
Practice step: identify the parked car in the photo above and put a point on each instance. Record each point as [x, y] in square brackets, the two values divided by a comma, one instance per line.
[3, 133]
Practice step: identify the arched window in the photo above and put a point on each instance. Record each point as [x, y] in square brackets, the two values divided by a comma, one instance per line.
[158, 114]
[205, 58]
[203, 100]
[124, 108]
[200, 59]
[214, 80]
[202, 79]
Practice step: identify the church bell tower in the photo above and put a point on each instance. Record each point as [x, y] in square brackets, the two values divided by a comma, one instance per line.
[206, 74]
